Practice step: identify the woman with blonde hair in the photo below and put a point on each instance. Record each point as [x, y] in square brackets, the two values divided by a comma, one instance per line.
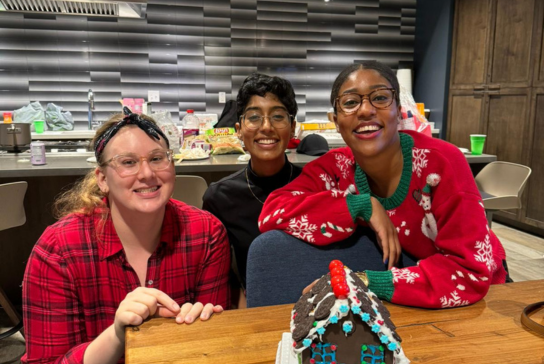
[121, 252]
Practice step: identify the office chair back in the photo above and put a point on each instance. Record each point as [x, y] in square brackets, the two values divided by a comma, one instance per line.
[279, 265]
[501, 185]
[190, 189]
[12, 209]
[12, 214]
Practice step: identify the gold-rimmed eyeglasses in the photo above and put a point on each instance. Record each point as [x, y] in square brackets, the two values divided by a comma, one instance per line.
[279, 119]
[380, 99]
[129, 164]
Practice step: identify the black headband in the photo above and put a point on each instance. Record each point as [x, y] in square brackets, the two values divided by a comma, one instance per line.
[130, 118]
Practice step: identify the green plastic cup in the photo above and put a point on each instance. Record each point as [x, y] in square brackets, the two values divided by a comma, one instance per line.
[477, 142]
[39, 125]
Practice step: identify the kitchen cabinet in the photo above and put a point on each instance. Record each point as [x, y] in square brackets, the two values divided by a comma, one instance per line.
[497, 89]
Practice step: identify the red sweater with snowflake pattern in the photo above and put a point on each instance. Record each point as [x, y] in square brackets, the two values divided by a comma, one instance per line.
[436, 209]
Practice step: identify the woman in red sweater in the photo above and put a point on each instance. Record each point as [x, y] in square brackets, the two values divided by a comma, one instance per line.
[410, 189]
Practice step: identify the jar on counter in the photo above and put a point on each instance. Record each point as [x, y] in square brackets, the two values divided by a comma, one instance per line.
[37, 153]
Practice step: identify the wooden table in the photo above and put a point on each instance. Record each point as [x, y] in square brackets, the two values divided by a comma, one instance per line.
[486, 332]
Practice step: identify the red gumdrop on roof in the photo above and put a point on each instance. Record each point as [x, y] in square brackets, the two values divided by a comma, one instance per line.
[335, 264]
[337, 280]
[341, 290]
[338, 272]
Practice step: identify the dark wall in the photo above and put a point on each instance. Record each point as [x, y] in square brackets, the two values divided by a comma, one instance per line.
[192, 50]
[432, 57]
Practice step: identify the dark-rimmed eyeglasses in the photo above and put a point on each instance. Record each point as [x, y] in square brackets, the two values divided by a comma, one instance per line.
[380, 99]
[279, 119]
[129, 164]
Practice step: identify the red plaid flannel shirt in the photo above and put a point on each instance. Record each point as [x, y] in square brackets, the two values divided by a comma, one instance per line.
[74, 284]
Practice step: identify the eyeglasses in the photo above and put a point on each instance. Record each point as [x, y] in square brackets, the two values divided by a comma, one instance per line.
[129, 164]
[380, 99]
[279, 119]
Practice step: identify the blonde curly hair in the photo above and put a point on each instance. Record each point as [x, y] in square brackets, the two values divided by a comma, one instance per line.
[85, 196]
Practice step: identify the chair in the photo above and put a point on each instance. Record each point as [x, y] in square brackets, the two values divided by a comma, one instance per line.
[190, 189]
[12, 214]
[501, 185]
[279, 266]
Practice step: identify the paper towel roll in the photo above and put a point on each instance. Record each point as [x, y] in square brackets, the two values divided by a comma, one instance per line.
[405, 78]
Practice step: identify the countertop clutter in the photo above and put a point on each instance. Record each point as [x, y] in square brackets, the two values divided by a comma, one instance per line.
[75, 164]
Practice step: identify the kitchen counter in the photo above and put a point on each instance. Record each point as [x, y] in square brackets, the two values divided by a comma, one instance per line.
[75, 164]
[61, 135]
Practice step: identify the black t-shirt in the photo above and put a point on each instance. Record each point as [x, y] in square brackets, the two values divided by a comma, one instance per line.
[238, 207]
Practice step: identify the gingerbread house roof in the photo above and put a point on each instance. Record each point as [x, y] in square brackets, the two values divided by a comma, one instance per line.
[332, 299]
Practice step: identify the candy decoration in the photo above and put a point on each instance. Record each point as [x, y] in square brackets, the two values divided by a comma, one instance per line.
[338, 272]
[337, 280]
[336, 264]
[392, 346]
[341, 290]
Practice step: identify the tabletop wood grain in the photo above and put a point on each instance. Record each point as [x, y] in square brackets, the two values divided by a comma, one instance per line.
[486, 332]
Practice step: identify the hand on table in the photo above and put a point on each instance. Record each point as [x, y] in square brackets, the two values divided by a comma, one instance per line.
[386, 233]
[139, 305]
[189, 312]
[144, 302]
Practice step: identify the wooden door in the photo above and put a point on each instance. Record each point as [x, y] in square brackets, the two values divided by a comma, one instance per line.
[512, 59]
[470, 43]
[534, 193]
[507, 125]
[538, 78]
[465, 115]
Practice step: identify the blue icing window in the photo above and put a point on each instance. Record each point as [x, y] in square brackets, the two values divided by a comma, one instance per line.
[372, 353]
[323, 353]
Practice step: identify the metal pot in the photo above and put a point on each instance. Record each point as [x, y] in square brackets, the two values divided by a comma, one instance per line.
[15, 135]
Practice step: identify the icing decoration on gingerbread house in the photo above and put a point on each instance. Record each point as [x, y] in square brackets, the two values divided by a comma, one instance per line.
[341, 321]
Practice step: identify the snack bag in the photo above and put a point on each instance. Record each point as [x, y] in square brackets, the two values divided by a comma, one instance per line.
[196, 141]
[224, 141]
[411, 117]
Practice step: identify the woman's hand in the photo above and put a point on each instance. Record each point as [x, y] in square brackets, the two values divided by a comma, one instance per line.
[139, 305]
[386, 233]
[189, 312]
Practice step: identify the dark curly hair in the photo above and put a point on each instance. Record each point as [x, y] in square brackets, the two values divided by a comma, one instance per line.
[379, 67]
[259, 84]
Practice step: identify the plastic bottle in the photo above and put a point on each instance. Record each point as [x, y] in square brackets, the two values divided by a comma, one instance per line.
[190, 121]
[188, 126]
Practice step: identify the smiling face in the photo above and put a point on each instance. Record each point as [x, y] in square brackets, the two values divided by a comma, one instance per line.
[266, 144]
[147, 191]
[369, 131]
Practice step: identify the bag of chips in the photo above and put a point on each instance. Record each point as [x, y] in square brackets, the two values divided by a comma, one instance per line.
[224, 141]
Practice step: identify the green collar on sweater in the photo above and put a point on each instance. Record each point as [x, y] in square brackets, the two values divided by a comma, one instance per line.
[406, 144]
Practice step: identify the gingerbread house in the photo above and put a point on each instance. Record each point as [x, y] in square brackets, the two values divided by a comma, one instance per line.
[341, 321]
